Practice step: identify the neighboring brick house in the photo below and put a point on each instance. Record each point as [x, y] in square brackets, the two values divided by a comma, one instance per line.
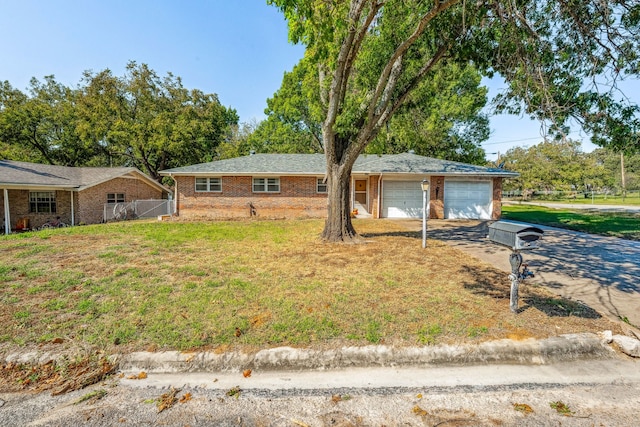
[292, 186]
[39, 193]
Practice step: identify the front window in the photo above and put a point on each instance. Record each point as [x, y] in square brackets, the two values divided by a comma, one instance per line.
[321, 186]
[266, 185]
[42, 202]
[115, 197]
[208, 184]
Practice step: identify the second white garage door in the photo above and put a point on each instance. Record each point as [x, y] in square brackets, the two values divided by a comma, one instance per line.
[467, 199]
[402, 199]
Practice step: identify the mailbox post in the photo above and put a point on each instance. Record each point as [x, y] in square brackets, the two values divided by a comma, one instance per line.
[517, 237]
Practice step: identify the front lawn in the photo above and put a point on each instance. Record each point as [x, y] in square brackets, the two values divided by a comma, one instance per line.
[256, 284]
[615, 224]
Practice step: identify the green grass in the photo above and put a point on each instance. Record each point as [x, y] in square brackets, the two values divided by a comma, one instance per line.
[255, 284]
[626, 226]
[632, 199]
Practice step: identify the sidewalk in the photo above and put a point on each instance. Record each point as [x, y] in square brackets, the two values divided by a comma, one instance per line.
[602, 272]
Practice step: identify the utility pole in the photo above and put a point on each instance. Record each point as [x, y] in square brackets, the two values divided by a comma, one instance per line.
[624, 185]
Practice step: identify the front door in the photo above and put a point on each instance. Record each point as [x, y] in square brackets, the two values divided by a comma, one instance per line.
[361, 192]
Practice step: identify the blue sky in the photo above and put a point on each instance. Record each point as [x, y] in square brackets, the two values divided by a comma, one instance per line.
[235, 48]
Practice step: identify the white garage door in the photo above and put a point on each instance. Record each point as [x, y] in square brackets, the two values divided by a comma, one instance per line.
[402, 199]
[467, 199]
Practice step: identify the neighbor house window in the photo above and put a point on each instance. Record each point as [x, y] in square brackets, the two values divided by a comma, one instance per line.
[208, 184]
[321, 186]
[115, 197]
[42, 201]
[266, 185]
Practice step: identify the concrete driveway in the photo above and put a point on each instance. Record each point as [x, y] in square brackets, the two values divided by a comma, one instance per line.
[602, 272]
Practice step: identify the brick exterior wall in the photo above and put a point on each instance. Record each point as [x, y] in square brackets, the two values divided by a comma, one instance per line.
[436, 197]
[497, 199]
[89, 207]
[19, 208]
[88, 204]
[373, 196]
[297, 198]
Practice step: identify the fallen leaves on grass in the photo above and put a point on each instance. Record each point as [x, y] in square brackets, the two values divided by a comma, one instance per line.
[88, 373]
[61, 376]
[167, 400]
[522, 407]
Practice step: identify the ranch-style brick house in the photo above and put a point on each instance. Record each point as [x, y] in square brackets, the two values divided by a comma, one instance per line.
[38, 193]
[293, 186]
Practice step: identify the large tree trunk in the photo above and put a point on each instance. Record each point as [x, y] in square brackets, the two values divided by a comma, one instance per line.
[338, 227]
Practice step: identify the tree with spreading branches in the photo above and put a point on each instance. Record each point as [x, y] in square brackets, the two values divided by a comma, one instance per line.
[562, 60]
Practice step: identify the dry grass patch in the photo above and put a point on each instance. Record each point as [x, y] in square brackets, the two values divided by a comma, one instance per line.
[221, 285]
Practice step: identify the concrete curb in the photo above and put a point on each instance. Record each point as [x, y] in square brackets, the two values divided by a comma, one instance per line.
[561, 348]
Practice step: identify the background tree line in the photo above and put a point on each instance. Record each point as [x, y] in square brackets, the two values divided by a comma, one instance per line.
[139, 119]
[154, 123]
[561, 166]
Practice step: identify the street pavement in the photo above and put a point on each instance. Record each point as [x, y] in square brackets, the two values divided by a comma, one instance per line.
[577, 393]
[601, 272]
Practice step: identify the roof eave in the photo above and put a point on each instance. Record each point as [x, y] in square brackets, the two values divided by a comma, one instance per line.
[25, 186]
[217, 173]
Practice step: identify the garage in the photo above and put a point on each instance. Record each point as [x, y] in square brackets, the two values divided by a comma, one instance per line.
[402, 199]
[467, 199]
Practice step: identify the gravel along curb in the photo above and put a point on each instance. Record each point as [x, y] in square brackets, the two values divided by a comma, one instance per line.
[555, 349]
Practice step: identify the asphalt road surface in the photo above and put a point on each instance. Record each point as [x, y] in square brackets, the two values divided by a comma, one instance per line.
[577, 393]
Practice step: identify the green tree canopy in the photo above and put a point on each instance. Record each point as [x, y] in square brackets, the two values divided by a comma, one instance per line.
[551, 166]
[150, 122]
[42, 126]
[562, 166]
[443, 117]
[139, 119]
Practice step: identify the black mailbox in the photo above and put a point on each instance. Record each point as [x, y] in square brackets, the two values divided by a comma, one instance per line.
[514, 235]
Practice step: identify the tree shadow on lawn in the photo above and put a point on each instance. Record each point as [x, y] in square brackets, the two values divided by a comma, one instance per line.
[487, 284]
[410, 234]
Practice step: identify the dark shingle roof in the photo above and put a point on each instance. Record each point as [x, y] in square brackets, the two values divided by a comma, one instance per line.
[25, 174]
[298, 164]
[414, 164]
[315, 164]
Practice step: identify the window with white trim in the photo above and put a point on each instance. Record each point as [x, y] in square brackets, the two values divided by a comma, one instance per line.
[321, 186]
[266, 185]
[115, 197]
[208, 185]
[42, 202]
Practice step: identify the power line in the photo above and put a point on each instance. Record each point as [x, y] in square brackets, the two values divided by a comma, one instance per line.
[519, 140]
